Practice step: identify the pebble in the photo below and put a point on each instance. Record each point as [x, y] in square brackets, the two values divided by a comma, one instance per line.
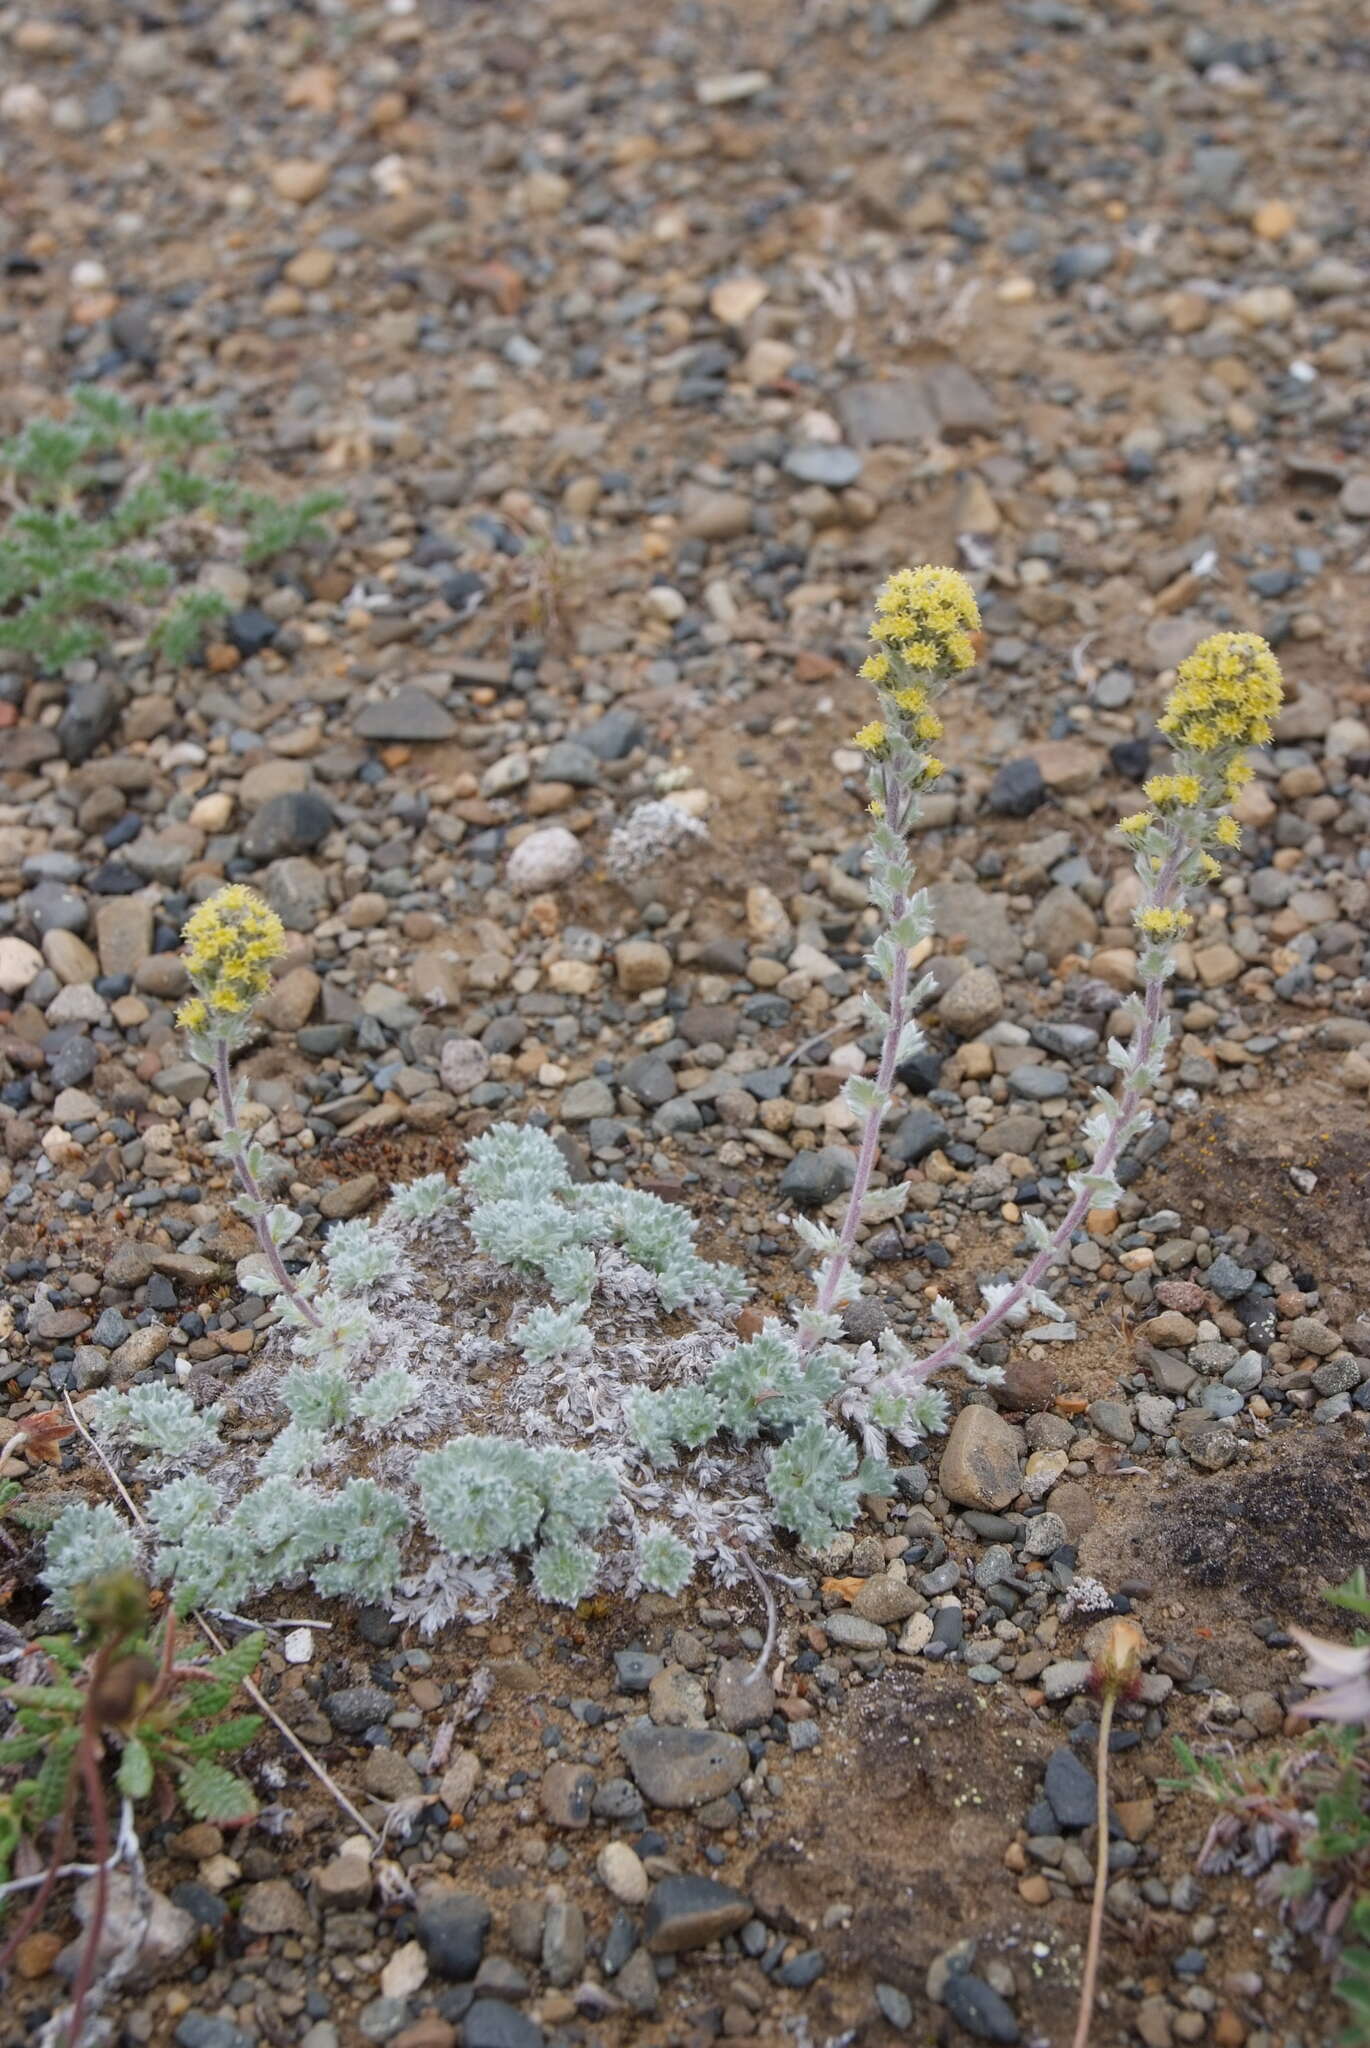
[690, 1912]
[452, 1929]
[979, 1466]
[544, 860]
[683, 1767]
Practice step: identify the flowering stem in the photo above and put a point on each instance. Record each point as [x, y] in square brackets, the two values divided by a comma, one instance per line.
[1096, 1917]
[251, 1187]
[1166, 894]
[898, 805]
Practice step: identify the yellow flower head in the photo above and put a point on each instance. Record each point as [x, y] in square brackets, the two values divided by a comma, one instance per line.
[925, 617]
[1160, 924]
[231, 941]
[932, 768]
[1225, 695]
[1174, 791]
[193, 1015]
[1137, 823]
[1228, 832]
[871, 738]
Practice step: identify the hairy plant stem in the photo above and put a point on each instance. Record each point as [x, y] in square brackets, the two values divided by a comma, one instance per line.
[1096, 1917]
[899, 807]
[252, 1188]
[1165, 895]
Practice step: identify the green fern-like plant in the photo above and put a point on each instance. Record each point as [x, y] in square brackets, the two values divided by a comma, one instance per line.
[116, 1694]
[99, 497]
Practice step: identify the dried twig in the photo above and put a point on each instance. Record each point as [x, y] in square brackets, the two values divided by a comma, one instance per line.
[772, 1618]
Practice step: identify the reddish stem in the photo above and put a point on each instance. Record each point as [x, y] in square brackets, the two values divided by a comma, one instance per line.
[869, 1152]
[1104, 1160]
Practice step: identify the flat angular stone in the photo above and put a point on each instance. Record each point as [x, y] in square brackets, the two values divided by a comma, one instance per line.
[411, 714]
[689, 1912]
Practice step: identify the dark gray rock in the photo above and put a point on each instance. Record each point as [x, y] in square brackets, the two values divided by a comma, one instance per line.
[1070, 1790]
[1228, 1279]
[90, 715]
[452, 1928]
[355, 1708]
[293, 822]
[569, 761]
[689, 1912]
[649, 1079]
[920, 1132]
[978, 2007]
[613, 737]
[411, 714]
[250, 630]
[1017, 790]
[812, 1178]
[491, 2023]
[53, 907]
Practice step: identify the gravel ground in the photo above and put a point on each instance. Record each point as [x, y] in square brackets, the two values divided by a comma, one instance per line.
[640, 352]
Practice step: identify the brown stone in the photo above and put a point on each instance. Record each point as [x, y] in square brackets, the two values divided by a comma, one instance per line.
[979, 1467]
[1072, 1503]
[350, 1198]
[1029, 1384]
[36, 1954]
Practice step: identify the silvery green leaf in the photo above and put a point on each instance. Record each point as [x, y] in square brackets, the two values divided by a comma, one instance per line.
[928, 1411]
[1118, 1055]
[906, 930]
[874, 1012]
[944, 1312]
[882, 957]
[820, 1237]
[982, 1375]
[893, 1349]
[282, 1224]
[1157, 964]
[864, 1097]
[1036, 1233]
[912, 1039]
[883, 1203]
[1045, 1306]
[810, 1322]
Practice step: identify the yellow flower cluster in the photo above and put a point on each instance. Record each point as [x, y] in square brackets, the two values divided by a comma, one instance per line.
[1174, 790]
[1160, 924]
[1225, 696]
[926, 617]
[871, 738]
[230, 943]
